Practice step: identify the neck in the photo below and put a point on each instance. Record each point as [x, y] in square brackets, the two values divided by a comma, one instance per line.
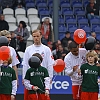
[91, 63]
[37, 44]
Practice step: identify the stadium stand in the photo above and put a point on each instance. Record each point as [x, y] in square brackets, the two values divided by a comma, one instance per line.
[72, 15]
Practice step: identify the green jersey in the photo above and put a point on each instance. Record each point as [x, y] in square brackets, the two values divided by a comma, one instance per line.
[7, 76]
[90, 77]
[36, 78]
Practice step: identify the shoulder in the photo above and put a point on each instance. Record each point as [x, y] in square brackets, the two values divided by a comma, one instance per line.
[68, 56]
[11, 49]
[46, 47]
[82, 50]
[12, 70]
[29, 47]
[43, 68]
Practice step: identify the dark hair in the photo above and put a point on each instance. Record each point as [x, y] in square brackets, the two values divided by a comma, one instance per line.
[23, 23]
[38, 55]
[72, 45]
[67, 32]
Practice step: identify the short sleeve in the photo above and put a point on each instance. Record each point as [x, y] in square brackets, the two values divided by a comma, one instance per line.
[13, 75]
[27, 76]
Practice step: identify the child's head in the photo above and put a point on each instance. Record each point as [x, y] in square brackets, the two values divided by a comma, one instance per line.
[38, 55]
[92, 57]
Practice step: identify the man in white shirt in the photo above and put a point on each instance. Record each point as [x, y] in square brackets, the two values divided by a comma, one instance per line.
[45, 52]
[73, 60]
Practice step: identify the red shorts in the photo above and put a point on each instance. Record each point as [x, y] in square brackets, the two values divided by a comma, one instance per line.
[76, 90]
[38, 97]
[28, 96]
[89, 96]
[26, 92]
[5, 97]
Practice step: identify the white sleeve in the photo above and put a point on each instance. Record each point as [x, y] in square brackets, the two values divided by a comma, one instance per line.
[50, 63]
[14, 87]
[15, 60]
[27, 84]
[47, 82]
[68, 68]
[25, 63]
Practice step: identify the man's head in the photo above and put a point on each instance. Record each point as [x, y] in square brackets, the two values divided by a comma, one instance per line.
[93, 34]
[46, 21]
[91, 1]
[2, 17]
[74, 48]
[36, 34]
[67, 34]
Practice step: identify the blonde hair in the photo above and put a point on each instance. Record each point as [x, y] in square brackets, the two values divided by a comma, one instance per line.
[9, 60]
[92, 53]
[4, 33]
[37, 30]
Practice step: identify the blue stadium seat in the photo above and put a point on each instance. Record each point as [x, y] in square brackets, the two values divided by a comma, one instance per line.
[97, 30]
[62, 29]
[41, 5]
[61, 36]
[68, 13]
[64, 5]
[44, 13]
[80, 12]
[71, 22]
[83, 22]
[30, 5]
[87, 29]
[29, 1]
[72, 29]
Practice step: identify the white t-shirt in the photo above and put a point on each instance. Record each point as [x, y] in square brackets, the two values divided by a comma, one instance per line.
[45, 53]
[15, 60]
[71, 61]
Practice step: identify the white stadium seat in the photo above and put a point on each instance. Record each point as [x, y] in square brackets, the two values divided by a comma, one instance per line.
[20, 11]
[32, 12]
[8, 11]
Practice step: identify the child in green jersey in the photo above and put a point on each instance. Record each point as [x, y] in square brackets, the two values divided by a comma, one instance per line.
[8, 81]
[37, 79]
[90, 73]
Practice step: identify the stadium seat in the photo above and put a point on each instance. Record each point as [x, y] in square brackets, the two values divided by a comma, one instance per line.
[83, 22]
[41, 5]
[11, 20]
[34, 21]
[87, 29]
[20, 11]
[30, 5]
[44, 13]
[68, 13]
[12, 28]
[62, 29]
[72, 29]
[32, 12]
[25, 19]
[8, 11]
[97, 30]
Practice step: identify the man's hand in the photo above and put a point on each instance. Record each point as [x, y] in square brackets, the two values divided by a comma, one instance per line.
[75, 68]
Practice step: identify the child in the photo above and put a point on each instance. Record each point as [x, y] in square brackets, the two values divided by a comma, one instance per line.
[90, 73]
[8, 81]
[37, 79]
